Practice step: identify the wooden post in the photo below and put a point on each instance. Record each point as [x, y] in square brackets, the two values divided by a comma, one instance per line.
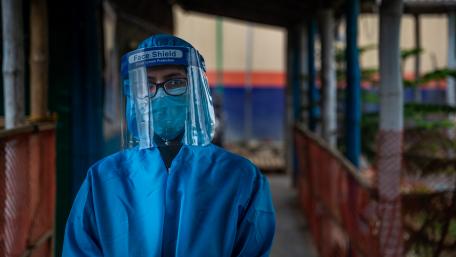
[13, 63]
[328, 78]
[391, 126]
[38, 59]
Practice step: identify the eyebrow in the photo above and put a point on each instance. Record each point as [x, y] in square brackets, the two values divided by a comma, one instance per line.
[171, 75]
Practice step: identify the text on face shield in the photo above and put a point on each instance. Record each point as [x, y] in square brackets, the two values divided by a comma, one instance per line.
[153, 54]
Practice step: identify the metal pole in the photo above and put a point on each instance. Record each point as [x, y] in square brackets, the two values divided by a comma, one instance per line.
[328, 78]
[451, 84]
[248, 84]
[313, 94]
[296, 78]
[218, 95]
[304, 73]
[219, 55]
[391, 126]
[13, 63]
[451, 87]
[296, 91]
[417, 57]
[353, 91]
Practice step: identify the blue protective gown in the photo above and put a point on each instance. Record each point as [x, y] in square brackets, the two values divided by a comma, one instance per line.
[210, 203]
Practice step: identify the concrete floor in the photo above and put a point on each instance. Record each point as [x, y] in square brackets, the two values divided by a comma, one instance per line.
[292, 238]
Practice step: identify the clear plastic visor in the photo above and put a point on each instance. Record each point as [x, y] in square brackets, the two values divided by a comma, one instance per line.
[167, 99]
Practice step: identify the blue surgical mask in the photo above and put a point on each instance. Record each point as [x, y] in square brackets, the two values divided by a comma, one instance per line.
[169, 114]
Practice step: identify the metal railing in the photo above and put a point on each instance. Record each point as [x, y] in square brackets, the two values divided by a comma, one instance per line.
[27, 190]
[338, 203]
[343, 206]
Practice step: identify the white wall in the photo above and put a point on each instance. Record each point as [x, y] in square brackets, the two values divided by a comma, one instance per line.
[199, 29]
[434, 40]
[270, 42]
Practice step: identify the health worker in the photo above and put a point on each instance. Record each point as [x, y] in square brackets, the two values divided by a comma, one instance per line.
[170, 192]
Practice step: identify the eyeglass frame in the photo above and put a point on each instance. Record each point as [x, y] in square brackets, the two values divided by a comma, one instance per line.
[162, 85]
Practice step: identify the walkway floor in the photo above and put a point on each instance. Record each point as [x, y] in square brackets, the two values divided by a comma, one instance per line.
[292, 238]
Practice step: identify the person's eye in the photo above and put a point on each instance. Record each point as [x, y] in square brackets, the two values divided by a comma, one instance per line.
[176, 83]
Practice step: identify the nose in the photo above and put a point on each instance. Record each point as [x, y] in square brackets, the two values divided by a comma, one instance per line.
[160, 93]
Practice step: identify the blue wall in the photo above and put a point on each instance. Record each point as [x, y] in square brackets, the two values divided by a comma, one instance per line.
[268, 106]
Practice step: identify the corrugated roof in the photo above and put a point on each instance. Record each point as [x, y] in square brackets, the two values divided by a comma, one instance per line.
[153, 15]
[272, 12]
[429, 6]
[429, 1]
[289, 12]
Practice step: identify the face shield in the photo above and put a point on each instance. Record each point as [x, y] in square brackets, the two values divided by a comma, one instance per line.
[167, 98]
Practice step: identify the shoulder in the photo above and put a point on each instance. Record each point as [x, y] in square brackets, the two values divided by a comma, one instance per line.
[227, 162]
[224, 157]
[114, 165]
[254, 189]
[222, 152]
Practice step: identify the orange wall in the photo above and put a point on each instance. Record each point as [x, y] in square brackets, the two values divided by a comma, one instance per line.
[258, 79]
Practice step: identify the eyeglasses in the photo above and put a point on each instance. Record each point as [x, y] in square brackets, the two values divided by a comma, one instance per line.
[174, 87]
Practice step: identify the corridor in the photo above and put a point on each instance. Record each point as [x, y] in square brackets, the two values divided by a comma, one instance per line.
[292, 238]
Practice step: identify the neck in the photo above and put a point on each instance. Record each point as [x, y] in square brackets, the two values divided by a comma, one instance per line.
[163, 142]
[168, 148]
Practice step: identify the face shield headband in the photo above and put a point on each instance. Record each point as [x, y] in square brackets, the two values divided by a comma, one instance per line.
[160, 118]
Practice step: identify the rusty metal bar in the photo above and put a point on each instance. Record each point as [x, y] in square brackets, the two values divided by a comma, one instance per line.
[27, 190]
[339, 204]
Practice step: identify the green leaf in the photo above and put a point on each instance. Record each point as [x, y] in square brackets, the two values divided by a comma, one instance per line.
[437, 74]
[410, 52]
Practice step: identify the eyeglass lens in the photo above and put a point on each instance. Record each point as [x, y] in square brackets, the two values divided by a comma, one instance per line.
[174, 87]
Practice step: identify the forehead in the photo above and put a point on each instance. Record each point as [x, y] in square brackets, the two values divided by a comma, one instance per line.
[159, 71]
